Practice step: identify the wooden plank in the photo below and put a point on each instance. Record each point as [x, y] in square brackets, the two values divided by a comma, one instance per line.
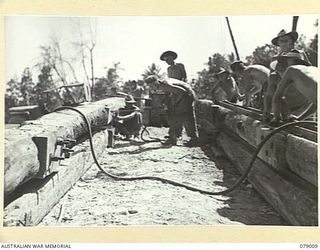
[307, 132]
[297, 205]
[37, 197]
[204, 110]
[253, 131]
[274, 151]
[241, 110]
[302, 158]
[204, 114]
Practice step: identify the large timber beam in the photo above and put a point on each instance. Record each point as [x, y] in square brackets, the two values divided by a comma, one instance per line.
[283, 150]
[20, 160]
[297, 205]
[26, 146]
[36, 198]
[286, 170]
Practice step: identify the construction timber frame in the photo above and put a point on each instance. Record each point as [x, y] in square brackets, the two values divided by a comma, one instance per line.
[45, 157]
[286, 171]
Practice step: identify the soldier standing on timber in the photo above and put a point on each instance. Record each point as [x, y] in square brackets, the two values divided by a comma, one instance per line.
[129, 120]
[285, 41]
[183, 114]
[254, 78]
[175, 70]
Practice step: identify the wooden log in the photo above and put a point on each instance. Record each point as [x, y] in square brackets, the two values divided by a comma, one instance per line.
[244, 126]
[306, 131]
[273, 152]
[207, 126]
[253, 131]
[297, 205]
[66, 124]
[219, 115]
[20, 160]
[288, 194]
[69, 124]
[203, 109]
[38, 197]
[283, 150]
[208, 129]
[302, 158]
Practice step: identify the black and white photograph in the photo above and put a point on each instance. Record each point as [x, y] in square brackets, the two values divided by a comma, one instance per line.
[121, 121]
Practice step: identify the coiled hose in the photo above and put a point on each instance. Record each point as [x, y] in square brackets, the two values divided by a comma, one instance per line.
[178, 184]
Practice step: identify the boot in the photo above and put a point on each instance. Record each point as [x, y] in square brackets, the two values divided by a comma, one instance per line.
[170, 141]
[193, 142]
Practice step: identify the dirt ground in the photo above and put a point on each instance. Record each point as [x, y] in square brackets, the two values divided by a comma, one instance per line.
[97, 200]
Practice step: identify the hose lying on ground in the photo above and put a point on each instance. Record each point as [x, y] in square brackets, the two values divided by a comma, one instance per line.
[153, 139]
[154, 178]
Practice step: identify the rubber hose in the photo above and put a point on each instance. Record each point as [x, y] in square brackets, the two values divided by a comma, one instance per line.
[153, 139]
[174, 183]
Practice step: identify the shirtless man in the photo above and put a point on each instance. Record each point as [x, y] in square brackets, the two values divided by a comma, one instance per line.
[253, 78]
[300, 77]
[137, 92]
[175, 70]
[228, 85]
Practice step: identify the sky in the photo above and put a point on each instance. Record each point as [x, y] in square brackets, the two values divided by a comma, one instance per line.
[138, 41]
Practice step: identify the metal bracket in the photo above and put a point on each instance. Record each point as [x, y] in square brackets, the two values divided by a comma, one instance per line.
[51, 151]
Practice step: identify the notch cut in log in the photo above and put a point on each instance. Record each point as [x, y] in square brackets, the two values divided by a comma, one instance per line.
[21, 154]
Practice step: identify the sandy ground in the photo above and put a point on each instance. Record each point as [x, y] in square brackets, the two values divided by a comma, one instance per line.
[97, 200]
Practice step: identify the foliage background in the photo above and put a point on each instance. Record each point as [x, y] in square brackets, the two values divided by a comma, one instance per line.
[57, 70]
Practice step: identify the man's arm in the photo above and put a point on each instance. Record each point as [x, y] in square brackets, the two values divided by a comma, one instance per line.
[236, 88]
[170, 88]
[129, 116]
[286, 80]
[256, 88]
[214, 92]
[305, 57]
[184, 73]
[312, 108]
[273, 79]
[247, 81]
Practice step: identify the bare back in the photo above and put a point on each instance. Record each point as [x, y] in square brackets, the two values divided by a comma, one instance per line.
[258, 73]
[254, 78]
[303, 78]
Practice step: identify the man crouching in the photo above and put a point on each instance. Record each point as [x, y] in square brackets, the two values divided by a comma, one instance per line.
[182, 108]
[129, 120]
